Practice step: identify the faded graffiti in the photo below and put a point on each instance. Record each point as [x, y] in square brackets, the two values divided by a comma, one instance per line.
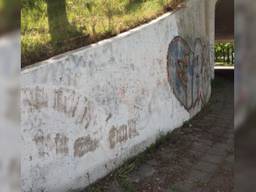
[61, 142]
[62, 100]
[189, 72]
[122, 133]
[49, 143]
[84, 145]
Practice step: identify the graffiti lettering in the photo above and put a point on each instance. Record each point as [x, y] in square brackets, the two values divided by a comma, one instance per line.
[49, 143]
[61, 100]
[122, 134]
[84, 145]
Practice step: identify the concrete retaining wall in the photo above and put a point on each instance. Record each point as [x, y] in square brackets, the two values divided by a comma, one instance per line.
[85, 112]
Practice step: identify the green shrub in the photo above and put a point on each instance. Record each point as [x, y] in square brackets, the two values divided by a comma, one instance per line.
[45, 33]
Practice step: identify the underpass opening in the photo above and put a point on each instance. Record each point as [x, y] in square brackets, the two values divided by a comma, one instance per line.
[224, 34]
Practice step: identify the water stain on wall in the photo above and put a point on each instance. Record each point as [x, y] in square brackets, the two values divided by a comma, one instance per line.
[121, 134]
[84, 145]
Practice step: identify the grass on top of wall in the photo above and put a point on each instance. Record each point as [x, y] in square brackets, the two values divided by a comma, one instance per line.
[50, 27]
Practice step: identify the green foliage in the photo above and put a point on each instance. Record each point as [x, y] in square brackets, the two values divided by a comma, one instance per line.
[224, 53]
[88, 21]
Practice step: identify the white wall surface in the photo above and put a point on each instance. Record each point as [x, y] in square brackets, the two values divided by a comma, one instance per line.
[86, 111]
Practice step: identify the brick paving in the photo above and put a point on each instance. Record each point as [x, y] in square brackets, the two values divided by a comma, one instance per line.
[199, 157]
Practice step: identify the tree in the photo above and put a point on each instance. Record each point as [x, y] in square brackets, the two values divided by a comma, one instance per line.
[59, 26]
[9, 15]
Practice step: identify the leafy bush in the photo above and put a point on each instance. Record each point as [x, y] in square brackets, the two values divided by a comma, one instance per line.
[224, 53]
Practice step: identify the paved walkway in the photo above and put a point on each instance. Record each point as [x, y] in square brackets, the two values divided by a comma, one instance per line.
[198, 157]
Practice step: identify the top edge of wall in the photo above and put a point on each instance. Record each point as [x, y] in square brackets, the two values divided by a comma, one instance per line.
[100, 43]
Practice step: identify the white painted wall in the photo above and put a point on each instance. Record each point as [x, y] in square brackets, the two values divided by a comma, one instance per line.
[85, 112]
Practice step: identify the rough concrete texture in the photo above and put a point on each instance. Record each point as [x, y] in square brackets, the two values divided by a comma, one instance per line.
[85, 112]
